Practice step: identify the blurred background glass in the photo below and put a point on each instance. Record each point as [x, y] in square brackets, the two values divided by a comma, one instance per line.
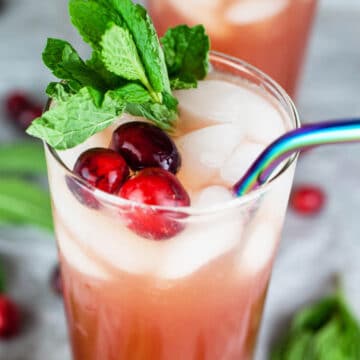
[313, 248]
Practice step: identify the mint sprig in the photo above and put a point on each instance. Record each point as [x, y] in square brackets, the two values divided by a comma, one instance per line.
[128, 71]
[325, 331]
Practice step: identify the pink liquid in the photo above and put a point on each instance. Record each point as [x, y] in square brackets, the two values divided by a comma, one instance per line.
[275, 44]
[212, 315]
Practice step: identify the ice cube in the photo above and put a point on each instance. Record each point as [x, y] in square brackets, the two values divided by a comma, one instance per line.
[244, 12]
[76, 256]
[201, 12]
[197, 245]
[261, 241]
[212, 195]
[239, 162]
[205, 151]
[213, 101]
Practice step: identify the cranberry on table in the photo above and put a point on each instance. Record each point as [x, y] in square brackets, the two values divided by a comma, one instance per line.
[102, 168]
[26, 117]
[9, 318]
[307, 199]
[144, 145]
[155, 186]
[16, 103]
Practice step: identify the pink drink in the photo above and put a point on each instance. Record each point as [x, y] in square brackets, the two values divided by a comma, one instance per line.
[269, 34]
[200, 294]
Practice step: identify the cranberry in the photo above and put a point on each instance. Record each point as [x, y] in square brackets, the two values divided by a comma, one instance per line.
[9, 318]
[27, 116]
[307, 199]
[154, 186]
[103, 169]
[56, 280]
[144, 145]
[16, 103]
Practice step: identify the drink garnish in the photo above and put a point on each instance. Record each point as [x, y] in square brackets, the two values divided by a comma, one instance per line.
[129, 71]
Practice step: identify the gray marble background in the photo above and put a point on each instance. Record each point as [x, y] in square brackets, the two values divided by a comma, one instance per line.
[312, 250]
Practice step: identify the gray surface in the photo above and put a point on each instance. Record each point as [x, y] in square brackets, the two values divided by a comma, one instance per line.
[312, 250]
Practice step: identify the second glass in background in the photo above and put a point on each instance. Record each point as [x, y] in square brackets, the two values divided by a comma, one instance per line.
[270, 34]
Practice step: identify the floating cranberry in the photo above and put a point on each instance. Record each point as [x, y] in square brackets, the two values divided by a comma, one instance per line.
[154, 186]
[9, 318]
[144, 145]
[26, 117]
[102, 168]
[16, 103]
[56, 280]
[307, 200]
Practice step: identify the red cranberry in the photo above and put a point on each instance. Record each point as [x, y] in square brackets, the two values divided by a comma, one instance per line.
[9, 318]
[56, 280]
[154, 186]
[16, 103]
[307, 200]
[103, 169]
[27, 116]
[144, 145]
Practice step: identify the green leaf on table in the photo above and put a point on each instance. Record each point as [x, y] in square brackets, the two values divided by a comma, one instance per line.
[22, 158]
[186, 54]
[25, 203]
[324, 331]
[65, 63]
[71, 122]
[91, 18]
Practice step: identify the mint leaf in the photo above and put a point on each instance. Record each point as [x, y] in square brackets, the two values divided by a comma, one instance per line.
[25, 203]
[65, 63]
[142, 29]
[91, 18]
[324, 331]
[186, 54]
[22, 158]
[120, 55]
[132, 93]
[96, 64]
[59, 91]
[71, 122]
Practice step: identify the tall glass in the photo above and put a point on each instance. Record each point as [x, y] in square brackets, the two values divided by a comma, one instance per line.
[269, 34]
[199, 295]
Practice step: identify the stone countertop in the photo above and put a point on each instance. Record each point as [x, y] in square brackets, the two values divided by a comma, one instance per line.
[313, 249]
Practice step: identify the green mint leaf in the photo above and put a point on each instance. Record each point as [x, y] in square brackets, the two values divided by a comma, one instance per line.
[96, 64]
[324, 331]
[142, 29]
[65, 63]
[26, 203]
[22, 158]
[181, 84]
[71, 122]
[132, 93]
[186, 54]
[59, 91]
[120, 55]
[91, 18]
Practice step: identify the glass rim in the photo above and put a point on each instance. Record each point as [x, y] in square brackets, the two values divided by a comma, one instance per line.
[190, 210]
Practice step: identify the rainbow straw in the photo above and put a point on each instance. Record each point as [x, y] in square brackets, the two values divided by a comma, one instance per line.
[310, 135]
